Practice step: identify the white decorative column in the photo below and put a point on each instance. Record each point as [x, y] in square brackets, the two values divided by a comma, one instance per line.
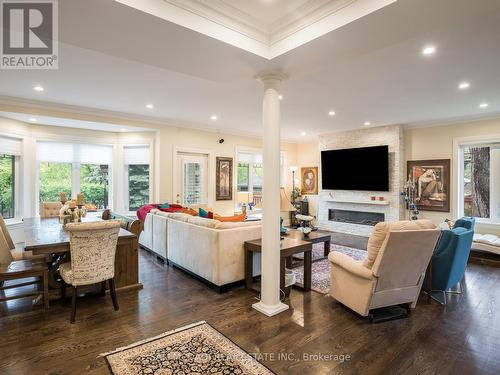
[270, 303]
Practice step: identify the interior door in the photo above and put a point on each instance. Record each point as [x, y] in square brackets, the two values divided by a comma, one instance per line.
[193, 179]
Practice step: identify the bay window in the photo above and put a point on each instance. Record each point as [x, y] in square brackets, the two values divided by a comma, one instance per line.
[479, 189]
[75, 168]
[137, 176]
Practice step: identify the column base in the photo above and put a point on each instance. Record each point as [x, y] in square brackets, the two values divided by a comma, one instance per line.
[270, 310]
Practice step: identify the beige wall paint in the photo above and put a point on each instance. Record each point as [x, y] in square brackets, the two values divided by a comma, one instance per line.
[165, 138]
[437, 143]
[308, 156]
[420, 144]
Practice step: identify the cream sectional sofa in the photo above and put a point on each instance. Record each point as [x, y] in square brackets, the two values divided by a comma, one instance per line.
[207, 249]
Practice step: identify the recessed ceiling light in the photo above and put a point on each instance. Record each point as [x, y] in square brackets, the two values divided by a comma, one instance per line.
[149, 106]
[331, 113]
[429, 50]
[123, 130]
[483, 105]
[213, 118]
[303, 134]
[38, 88]
[32, 119]
[367, 123]
[464, 85]
[280, 97]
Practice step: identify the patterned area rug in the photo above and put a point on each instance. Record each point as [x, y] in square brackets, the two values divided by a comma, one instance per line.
[195, 349]
[321, 268]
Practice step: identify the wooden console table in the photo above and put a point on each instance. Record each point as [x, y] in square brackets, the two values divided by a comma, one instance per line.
[289, 247]
[47, 236]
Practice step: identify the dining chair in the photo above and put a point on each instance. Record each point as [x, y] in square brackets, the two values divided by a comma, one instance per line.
[11, 269]
[50, 209]
[19, 253]
[92, 250]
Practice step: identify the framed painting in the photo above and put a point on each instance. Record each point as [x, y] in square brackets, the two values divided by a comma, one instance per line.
[430, 181]
[224, 179]
[309, 178]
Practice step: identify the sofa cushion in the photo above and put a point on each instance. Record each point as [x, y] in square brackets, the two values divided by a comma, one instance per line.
[232, 225]
[232, 219]
[177, 216]
[379, 235]
[202, 222]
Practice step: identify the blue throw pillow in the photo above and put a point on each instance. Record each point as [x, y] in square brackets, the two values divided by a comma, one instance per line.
[164, 206]
[202, 212]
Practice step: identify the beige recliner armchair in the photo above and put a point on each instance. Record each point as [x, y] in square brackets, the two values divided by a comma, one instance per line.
[393, 272]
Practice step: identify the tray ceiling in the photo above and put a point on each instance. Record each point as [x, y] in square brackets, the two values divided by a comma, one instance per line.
[267, 28]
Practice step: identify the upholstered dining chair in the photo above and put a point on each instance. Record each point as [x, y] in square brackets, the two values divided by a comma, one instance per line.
[50, 209]
[92, 249]
[18, 254]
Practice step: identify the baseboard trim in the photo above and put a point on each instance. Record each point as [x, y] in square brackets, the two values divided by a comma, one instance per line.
[218, 288]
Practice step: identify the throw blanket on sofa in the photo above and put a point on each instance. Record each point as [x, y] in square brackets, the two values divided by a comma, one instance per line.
[144, 210]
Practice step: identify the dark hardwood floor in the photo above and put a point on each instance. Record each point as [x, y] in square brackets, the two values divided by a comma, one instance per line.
[461, 338]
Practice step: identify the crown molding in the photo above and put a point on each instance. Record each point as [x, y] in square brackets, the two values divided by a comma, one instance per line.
[222, 20]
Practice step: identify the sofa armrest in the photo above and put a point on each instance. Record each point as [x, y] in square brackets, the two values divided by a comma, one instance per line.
[347, 263]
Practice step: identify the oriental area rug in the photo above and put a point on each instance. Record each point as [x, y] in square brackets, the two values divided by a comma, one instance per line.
[195, 349]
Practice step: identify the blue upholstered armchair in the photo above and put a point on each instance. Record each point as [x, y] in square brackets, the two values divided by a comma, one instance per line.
[450, 257]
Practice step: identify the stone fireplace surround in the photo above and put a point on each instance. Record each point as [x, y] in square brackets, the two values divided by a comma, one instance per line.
[361, 200]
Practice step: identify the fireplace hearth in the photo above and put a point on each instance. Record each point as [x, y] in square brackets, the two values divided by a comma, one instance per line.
[355, 217]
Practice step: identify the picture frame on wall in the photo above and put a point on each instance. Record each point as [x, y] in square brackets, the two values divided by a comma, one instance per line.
[309, 178]
[431, 184]
[224, 179]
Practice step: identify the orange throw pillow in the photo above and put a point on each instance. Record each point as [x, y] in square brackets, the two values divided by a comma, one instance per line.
[231, 219]
[189, 211]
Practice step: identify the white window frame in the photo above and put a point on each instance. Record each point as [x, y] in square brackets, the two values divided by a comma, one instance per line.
[126, 190]
[458, 169]
[18, 171]
[210, 180]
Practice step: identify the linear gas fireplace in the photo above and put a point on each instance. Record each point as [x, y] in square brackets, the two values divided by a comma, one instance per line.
[355, 217]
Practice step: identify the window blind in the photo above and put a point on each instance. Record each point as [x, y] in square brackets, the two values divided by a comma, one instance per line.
[57, 152]
[10, 146]
[133, 155]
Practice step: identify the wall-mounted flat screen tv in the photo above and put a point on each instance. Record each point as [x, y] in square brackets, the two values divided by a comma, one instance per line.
[364, 168]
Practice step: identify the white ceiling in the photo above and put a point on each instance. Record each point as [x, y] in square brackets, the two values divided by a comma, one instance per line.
[267, 28]
[115, 58]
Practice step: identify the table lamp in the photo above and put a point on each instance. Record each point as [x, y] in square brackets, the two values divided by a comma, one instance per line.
[285, 206]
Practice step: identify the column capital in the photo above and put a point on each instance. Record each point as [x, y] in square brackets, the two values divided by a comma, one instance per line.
[271, 79]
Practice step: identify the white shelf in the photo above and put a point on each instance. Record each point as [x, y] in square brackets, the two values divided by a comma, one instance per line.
[376, 203]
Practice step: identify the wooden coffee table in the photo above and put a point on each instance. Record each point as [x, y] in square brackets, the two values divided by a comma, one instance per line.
[313, 237]
[289, 247]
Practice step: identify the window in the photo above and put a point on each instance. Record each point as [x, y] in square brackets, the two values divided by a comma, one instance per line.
[7, 191]
[137, 175]
[10, 151]
[192, 178]
[54, 179]
[250, 173]
[94, 184]
[75, 168]
[480, 181]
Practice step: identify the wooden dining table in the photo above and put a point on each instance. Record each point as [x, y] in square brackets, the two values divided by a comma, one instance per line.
[47, 236]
